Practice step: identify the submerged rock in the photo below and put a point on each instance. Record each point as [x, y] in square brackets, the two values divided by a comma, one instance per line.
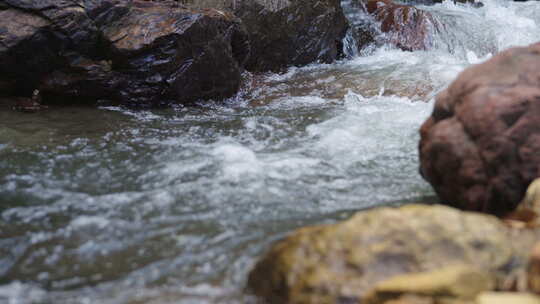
[29, 105]
[479, 149]
[345, 262]
[403, 26]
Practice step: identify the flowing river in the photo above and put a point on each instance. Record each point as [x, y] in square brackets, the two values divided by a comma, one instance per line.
[115, 206]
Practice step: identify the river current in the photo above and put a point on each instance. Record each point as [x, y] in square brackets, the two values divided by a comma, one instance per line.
[118, 206]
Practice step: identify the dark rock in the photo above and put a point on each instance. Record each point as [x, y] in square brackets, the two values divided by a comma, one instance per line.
[151, 53]
[479, 149]
[134, 52]
[362, 37]
[420, 2]
[287, 32]
[295, 32]
[29, 105]
[433, 2]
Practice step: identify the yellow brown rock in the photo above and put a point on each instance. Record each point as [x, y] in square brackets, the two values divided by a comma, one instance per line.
[533, 270]
[458, 282]
[532, 197]
[341, 263]
[507, 298]
[528, 211]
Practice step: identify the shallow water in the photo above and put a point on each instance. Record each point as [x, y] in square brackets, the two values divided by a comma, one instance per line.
[117, 206]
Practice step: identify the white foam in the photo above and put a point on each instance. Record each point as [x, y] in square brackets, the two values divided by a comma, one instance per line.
[85, 221]
[19, 293]
[237, 161]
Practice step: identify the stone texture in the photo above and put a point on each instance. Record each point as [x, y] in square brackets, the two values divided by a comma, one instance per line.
[533, 270]
[507, 298]
[406, 27]
[479, 149]
[532, 197]
[454, 282]
[403, 26]
[341, 263]
[133, 52]
[287, 33]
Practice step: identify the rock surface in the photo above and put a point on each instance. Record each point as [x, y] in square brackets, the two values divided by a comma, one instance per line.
[404, 26]
[135, 52]
[287, 33]
[533, 270]
[479, 149]
[450, 283]
[507, 298]
[342, 263]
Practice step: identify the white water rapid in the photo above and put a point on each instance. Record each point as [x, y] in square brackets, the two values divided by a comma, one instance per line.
[114, 206]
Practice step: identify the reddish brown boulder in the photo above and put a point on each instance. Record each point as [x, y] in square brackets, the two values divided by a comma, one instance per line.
[406, 27]
[480, 149]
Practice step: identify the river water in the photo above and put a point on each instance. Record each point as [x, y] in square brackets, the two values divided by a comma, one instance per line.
[116, 206]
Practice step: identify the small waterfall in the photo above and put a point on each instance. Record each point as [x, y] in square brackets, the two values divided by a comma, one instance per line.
[459, 29]
[361, 29]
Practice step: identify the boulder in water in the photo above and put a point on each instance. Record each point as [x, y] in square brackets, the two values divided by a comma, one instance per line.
[405, 26]
[480, 147]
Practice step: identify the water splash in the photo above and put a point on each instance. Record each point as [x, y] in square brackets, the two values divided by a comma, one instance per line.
[174, 206]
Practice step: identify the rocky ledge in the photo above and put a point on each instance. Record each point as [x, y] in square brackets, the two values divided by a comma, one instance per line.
[152, 53]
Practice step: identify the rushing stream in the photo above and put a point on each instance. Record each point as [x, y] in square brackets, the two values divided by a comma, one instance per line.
[112, 205]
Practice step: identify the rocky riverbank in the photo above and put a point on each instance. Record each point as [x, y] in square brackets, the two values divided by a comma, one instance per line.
[155, 53]
[412, 254]
[479, 150]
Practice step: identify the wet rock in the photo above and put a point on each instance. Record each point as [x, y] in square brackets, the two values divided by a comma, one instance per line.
[287, 33]
[134, 52]
[34, 35]
[527, 214]
[362, 37]
[342, 263]
[29, 105]
[450, 283]
[532, 197]
[479, 149]
[473, 3]
[533, 270]
[296, 32]
[405, 26]
[507, 298]
[153, 58]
